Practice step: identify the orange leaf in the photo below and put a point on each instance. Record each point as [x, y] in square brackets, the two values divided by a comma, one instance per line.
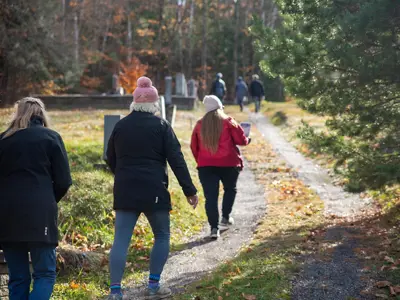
[73, 285]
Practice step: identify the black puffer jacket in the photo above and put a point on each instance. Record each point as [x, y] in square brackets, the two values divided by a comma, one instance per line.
[256, 89]
[34, 176]
[137, 153]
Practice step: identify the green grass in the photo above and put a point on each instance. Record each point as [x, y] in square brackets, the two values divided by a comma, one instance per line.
[86, 216]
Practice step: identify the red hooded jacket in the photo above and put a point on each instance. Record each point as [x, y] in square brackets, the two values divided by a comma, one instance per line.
[228, 154]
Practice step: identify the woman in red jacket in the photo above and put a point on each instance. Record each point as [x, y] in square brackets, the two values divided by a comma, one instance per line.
[214, 145]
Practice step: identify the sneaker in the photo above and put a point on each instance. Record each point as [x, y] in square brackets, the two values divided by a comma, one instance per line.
[227, 222]
[115, 297]
[160, 293]
[214, 233]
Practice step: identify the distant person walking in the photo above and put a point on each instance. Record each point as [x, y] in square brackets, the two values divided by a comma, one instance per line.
[241, 91]
[218, 87]
[138, 151]
[214, 146]
[34, 177]
[257, 91]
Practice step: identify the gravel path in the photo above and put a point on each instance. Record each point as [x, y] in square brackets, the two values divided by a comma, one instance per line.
[340, 276]
[337, 202]
[202, 255]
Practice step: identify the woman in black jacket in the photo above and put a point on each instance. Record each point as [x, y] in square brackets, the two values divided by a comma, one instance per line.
[34, 176]
[138, 151]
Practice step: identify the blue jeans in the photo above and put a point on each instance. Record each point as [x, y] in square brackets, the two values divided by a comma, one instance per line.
[239, 100]
[44, 271]
[125, 222]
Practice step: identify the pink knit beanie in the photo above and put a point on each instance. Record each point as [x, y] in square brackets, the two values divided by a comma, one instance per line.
[145, 91]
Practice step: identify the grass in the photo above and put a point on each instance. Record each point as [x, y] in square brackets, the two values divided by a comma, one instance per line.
[263, 269]
[86, 216]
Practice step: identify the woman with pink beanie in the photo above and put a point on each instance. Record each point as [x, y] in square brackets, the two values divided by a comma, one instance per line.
[138, 151]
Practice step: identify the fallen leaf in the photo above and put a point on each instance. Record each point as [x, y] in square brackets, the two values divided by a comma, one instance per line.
[212, 288]
[396, 289]
[389, 259]
[73, 285]
[145, 258]
[220, 298]
[249, 297]
[382, 284]
[382, 296]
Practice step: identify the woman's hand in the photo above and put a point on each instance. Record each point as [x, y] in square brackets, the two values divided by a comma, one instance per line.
[193, 201]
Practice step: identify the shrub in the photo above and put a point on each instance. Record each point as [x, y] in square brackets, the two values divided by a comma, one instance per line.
[279, 118]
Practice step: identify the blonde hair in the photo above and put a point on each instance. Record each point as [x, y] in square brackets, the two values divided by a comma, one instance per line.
[211, 129]
[26, 109]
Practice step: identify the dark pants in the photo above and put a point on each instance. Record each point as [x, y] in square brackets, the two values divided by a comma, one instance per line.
[44, 271]
[239, 100]
[210, 178]
[257, 102]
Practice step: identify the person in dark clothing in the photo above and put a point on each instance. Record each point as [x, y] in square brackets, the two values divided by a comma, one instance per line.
[138, 151]
[218, 88]
[241, 92]
[257, 92]
[214, 146]
[34, 177]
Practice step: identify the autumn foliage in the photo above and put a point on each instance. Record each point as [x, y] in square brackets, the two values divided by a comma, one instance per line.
[130, 72]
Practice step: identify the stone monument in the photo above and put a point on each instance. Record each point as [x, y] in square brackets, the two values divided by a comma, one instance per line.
[192, 88]
[181, 86]
[109, 123]
[168, 90]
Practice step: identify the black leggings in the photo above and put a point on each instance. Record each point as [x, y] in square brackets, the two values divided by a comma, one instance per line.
[210, 178]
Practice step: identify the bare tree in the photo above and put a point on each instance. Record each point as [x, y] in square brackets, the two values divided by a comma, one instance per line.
[235, 45]
[204, 50]
[190, 60]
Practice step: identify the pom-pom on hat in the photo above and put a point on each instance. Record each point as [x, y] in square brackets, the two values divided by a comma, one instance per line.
[145, 91]
[212, 102]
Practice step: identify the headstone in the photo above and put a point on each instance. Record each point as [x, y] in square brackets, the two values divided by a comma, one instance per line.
[181, 87]
[168, 90]
[162, 107]
[109, 123]
[192, 88]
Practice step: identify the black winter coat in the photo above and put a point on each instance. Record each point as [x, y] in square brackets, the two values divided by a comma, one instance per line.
[34, 176]
[137, 153]
[256, 89]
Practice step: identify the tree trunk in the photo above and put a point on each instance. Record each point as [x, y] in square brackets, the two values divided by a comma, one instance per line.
[159, 39]
[180, 37]
[63, 21]
[204, 50]
[244, 43]
[190, 59]
[263, 11]
[129, 37]
[76, 38]
[235, 47]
